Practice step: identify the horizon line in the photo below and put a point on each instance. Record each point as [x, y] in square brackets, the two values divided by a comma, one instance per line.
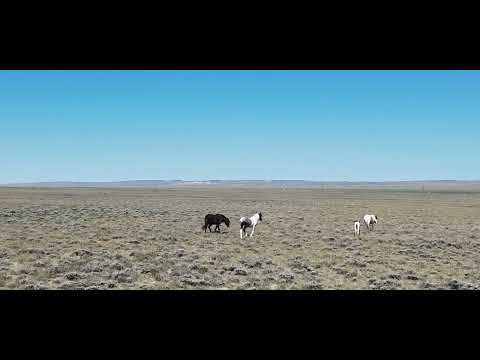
[236, 180]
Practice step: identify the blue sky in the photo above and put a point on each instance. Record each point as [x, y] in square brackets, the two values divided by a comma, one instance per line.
[312, 125]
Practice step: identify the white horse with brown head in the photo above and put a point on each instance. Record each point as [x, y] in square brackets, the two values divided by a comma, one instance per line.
[246, 222]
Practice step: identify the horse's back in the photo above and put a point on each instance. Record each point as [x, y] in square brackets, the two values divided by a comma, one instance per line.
[245, 222]
[210, 217]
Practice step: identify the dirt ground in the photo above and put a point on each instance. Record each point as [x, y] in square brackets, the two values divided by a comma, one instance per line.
[152, 239]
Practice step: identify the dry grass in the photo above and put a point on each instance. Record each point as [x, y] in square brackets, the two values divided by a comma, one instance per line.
[152, 239]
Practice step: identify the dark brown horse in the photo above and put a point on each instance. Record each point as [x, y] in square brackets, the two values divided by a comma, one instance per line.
[216, 220]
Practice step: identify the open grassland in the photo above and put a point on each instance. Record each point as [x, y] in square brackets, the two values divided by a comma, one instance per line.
[152, 239]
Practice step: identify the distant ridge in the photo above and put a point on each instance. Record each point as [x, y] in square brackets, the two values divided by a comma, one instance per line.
[430, 185]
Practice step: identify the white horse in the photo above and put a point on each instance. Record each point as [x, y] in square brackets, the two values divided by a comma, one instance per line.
[249, 222]
[356, 228]
[370, 220]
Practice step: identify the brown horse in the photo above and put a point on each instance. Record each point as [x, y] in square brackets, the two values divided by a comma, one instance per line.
[216, 220]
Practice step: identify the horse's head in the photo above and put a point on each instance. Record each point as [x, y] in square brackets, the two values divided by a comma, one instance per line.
[227, 221]
[260, 216]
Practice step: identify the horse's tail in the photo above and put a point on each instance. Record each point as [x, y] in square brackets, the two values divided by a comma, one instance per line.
[204, 227]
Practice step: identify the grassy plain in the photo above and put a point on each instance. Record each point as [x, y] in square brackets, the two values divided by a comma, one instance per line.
[88, 238]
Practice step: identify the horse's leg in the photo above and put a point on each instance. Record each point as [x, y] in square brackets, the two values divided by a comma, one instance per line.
[209, 228]
[253, 230]
[241, 233]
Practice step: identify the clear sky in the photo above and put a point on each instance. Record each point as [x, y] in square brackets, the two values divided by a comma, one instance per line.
[199, 125]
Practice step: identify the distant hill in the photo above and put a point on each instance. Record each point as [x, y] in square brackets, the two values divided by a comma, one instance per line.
[434, 185]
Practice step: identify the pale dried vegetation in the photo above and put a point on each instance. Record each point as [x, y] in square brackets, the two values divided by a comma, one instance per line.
[152, 239]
